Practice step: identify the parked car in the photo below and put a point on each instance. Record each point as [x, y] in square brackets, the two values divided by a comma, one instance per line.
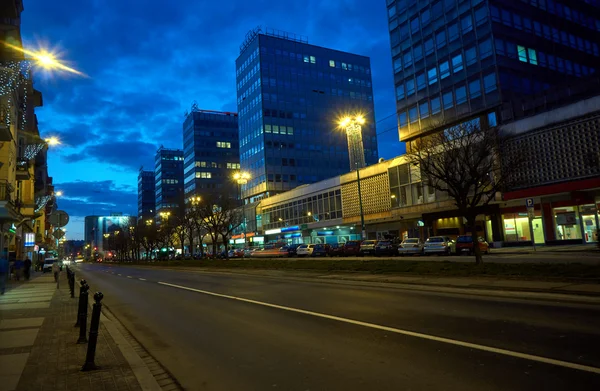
[47, 268]
[236, 253]
[352, 247]
[367, 247]
[438, 245]
[269, 252]
[386, 247]
[291, 249]
[336, 250]
[464, 245]
[411, 246]
[312, 250]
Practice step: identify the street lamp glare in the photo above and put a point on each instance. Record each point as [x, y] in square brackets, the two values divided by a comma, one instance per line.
[360, 119]
[52, 141]
[58, 193]
[345, 122]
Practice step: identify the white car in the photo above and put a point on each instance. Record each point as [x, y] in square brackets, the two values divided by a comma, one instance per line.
[48, 265]
[411, 246]
[305, 250]
[439, 245]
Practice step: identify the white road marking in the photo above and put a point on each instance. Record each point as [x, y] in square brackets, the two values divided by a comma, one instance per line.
[128, 276]
[142, 279]
[119, 274]
[450, 341]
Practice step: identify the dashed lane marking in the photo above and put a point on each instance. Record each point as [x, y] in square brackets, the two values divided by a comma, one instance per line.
[449, 341]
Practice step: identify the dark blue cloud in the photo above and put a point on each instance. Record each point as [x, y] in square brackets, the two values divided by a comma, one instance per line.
[148, 60]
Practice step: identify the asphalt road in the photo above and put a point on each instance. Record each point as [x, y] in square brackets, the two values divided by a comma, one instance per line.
[236, 332]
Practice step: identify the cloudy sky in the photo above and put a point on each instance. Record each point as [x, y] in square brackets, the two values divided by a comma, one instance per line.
[148, 60]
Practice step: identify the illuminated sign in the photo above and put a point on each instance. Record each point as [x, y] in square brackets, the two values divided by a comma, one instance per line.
[324, 233]
[288, 229]
[258, 239]
[29, 239]
[296, 235]
[239, 241]
[273, 231]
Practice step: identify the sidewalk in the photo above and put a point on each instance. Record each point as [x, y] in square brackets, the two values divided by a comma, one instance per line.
[579, 249]
[38, 349]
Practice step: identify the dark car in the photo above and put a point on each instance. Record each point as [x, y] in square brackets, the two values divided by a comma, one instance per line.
[464, 244]
[386, 247]
[320, 250]
[352, 247]
[291, 249]
[336, 250]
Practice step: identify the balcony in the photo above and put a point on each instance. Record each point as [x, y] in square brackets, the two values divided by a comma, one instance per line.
[22, 172]
[5, 134]
[8, 210]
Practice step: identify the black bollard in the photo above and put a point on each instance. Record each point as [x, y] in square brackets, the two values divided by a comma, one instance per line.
[82, 319]
[95, 324]
[72, 282]
[79, 308]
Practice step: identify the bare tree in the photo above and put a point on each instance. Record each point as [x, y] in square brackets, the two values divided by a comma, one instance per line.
[467, 163]
[219, 216]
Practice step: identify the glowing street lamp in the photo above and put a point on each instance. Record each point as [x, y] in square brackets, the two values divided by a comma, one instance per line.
[45, 59]
[352, 126]
[52, 141]
[242, 177]
[165, 215]
[149, 222]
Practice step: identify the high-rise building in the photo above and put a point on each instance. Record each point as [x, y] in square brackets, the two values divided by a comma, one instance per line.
[211, 152]
[168, 179]
[291, 96]
[146, 194]
[496, 60]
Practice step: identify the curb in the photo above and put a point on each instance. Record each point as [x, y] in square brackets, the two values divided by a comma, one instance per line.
[150, 374]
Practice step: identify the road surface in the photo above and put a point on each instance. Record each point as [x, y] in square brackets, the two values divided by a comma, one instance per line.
[236, 332]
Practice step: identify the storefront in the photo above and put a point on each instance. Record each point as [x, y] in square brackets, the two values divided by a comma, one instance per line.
[516, 227]
[577, 223]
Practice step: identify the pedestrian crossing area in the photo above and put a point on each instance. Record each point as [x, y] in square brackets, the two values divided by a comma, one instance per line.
[19, 326]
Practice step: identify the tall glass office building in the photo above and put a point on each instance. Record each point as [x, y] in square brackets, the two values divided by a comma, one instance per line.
[168, 179]
[290, 96]
[498, 60]
[146, 194]
[211, 152]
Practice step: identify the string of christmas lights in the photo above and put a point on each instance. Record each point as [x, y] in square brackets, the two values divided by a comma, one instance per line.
[14, 75]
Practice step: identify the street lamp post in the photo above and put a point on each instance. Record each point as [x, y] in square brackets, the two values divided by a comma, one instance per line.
[353, 128]
[242, 178]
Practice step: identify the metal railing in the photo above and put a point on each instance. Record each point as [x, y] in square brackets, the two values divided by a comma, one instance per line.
[6, 191]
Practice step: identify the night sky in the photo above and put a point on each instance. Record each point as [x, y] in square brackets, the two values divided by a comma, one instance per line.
[148, 60]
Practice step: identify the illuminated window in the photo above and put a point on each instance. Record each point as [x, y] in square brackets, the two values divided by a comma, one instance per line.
[522, 53]
[313, 60]
[203, 175]
[223, 144]
[332, 63]
[233, 166]
[200, 164]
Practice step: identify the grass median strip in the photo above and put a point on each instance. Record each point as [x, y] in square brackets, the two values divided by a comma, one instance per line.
[587, 272]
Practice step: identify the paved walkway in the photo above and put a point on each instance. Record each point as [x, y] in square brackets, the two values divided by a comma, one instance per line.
[580, 249]
[38, 349]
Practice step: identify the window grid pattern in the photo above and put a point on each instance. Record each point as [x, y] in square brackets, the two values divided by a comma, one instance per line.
[375, 196]
[559, 153]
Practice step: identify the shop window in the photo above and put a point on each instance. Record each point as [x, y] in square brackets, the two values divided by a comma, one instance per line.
[566, 223]
[589, 218]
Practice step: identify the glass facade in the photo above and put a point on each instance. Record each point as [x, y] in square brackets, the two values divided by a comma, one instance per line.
[456, 58]
[168, 178]
[211, 152]
[290, 96]
[146, 194]
[315, 208]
